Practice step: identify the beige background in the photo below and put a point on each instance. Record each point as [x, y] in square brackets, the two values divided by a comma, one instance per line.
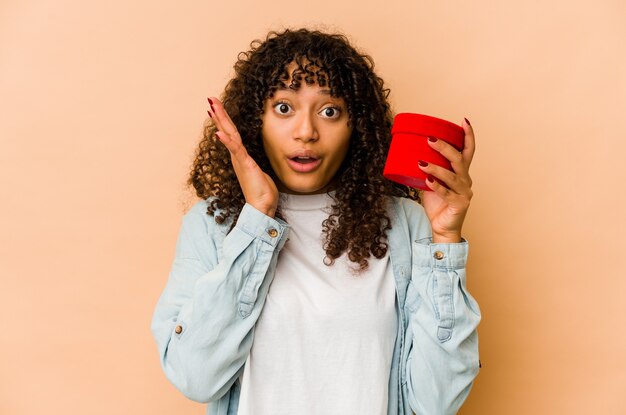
[101, 106]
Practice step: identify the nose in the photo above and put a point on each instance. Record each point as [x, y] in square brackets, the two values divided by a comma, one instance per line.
[305, 129]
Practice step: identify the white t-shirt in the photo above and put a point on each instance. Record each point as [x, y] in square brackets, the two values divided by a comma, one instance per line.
[324, 341]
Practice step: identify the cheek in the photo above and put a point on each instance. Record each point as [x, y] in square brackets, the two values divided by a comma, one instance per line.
[339, 155]
[271, 151]
[270, 134]
[266, 139]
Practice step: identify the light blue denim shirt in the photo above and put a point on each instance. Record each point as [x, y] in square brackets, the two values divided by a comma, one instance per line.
[204, 321]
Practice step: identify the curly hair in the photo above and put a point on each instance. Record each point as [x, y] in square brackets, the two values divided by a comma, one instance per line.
[358, 222]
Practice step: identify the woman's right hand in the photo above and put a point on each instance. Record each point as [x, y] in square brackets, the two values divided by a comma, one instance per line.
[258, 188]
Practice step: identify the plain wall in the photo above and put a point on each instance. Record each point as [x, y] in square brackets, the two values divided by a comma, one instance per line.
[101, 107]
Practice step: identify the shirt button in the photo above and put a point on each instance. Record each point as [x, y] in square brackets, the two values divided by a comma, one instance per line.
[438, 255]
[178, 329]
[272, 232]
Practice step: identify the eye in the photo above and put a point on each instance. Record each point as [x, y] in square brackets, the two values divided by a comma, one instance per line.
[282, 108]
[331, 112]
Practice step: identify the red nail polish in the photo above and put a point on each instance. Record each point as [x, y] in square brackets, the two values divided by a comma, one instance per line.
[212, 109]
[432, 139]
[422, 163]
[431, 179]
[467, 121]
[210, 102]
[207, 111]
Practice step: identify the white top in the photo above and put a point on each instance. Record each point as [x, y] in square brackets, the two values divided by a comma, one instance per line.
[324, 341]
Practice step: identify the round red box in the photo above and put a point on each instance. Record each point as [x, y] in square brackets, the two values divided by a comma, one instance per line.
[409, 145]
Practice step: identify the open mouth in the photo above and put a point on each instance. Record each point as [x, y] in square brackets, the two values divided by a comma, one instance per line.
[304, 160]
[304, 163]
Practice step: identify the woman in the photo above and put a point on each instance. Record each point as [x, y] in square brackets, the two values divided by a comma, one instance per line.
[305, 282]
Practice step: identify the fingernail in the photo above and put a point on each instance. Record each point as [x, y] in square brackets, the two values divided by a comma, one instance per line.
[210, 102]
[208, 112]
[432, 139]
[431, 179]
[467, 121]
[422, 163]
[212, 109]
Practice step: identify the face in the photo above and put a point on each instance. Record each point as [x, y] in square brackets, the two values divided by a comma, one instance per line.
[306, 137]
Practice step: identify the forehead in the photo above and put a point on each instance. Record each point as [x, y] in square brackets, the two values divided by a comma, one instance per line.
[302, 72]
[319, 90]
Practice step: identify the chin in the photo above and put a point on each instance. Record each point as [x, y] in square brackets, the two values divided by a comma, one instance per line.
[303, 189]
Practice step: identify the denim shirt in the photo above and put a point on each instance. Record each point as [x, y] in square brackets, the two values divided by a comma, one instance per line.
[204, 320]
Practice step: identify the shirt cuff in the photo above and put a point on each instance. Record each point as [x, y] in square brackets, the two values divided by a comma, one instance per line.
[258, 225]
[441, 255]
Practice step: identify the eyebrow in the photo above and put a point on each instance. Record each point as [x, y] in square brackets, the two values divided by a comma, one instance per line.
[321, 91]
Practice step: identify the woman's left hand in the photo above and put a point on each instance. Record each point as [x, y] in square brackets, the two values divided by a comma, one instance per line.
[446, 207]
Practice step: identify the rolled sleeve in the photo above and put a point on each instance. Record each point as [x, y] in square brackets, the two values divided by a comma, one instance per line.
[440, 255]
[259, 225]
